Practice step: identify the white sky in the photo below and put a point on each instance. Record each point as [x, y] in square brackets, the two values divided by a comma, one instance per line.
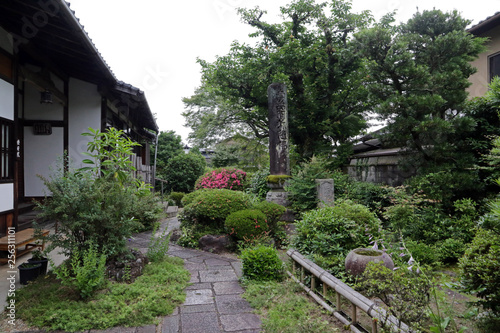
[153, 44]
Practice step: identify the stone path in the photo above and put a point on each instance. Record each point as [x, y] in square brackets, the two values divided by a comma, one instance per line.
[213, 300]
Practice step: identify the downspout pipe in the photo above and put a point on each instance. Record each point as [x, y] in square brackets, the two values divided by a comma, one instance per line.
[154, 168]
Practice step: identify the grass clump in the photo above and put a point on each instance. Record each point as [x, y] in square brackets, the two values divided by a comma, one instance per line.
[284, 307]
[49, 305]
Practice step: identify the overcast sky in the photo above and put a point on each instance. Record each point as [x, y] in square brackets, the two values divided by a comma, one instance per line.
[153, 44]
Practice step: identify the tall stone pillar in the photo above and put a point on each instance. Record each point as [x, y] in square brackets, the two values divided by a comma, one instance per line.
[278, 146]
[278, 129]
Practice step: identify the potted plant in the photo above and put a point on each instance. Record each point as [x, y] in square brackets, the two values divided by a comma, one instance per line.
[38, 257]
[28, 272]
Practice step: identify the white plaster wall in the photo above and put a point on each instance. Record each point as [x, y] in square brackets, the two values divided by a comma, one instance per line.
[84, 112]
[33, 110]
[6, 100]
[6, 197]
[6, 41]
[41, 154]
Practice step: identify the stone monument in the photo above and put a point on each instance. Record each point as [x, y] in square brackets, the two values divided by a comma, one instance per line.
[278, 146]
[325, 189]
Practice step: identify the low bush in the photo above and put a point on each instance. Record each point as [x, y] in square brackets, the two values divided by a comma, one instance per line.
[246, 224]
[480, 269]
[262, 263]
[272, 210]
[177, 198]
[450, 250]
[331, 232]
[223, 178]
[182, 171]
[423, 253]
[211, 207]
[84, 271]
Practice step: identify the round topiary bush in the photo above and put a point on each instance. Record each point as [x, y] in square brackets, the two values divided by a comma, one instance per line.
[272, 210]
[246, 224]
[223, 178]
[262, 263]
[211, 207]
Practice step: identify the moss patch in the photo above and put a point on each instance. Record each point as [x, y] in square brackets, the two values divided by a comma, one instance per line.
[278, 179]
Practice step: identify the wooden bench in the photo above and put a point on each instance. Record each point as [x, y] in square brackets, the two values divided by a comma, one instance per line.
[24, 238]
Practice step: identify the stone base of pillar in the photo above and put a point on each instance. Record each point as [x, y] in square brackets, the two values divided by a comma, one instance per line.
[280, 196]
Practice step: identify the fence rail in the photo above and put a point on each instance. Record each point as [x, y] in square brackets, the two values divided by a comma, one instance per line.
[356, 300]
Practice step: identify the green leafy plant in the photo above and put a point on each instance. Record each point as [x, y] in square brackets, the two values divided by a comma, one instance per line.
[302, 186]
[182, 171]
[258, 184]
[158, 246]
[84, 271]
[328, 234]
[405, 293]
[114, 162]
[177, 198]
[273, 212]
[246, 224]
[211, 207]
[262, 263]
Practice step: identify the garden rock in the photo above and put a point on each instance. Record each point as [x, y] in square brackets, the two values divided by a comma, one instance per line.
[215, 244]
[123, 268]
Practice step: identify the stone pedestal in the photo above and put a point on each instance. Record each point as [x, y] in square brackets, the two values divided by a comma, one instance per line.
[279, 196]
[325, 192]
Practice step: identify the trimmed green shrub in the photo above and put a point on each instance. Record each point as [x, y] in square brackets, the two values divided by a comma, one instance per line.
[480, 269]
[223, 178]
[177, 197]
[272, 210]
[211, 207]
[246, 224]
[262, 263]
[423, 253]
[332, 232]
[191, 197]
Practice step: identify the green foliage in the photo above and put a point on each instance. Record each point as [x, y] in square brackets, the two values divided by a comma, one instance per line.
[329, 233]
[212, 207]
[158, 246]
[450, 250]
[423, 253]
[262, 263]
[283, 307]
[223, 178]
[90, 210]
[418, 74]
[108, 162]
[84, 271]
[447, 186]
[272, 210]
[311, 52]
[246, 224]
[182, 171]
[177, 198]
[47, 304]
[258, 184]
[405, 293]
[302, 187]
[169, 145]
[480, 269]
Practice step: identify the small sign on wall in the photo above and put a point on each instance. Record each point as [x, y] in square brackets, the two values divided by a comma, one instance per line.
[42, 129]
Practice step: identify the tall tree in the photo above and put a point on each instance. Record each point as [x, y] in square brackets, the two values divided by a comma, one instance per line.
[169, 145]
[418, 73]
[311, 52]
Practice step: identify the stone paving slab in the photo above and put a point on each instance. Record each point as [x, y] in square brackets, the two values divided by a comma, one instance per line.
[226, 288]
[220, 275]
[204, 322]
[238, 322]
[200, 296]
[232, 304]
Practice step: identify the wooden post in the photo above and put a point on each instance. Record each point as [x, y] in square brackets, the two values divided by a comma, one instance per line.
[337, 295]
[293, 266]
[325, 290]
[313, 283]
[354, 314]
[302, 274]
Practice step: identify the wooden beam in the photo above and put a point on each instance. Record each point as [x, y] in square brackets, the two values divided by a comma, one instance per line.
[43, 83]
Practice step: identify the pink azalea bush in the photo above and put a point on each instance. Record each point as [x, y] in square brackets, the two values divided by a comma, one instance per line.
[223, 178]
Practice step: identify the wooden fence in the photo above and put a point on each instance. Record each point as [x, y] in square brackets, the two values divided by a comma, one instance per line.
[355, 300]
